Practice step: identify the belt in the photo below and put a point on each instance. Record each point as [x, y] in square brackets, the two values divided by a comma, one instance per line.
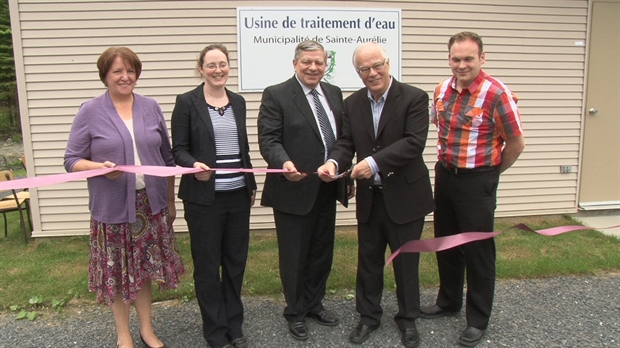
[455, 170]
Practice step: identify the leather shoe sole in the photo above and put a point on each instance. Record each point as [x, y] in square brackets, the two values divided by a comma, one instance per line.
[471, 337]
[409, 337]
[298, 330]
[361, 333]
[434, 311]
[324, 317]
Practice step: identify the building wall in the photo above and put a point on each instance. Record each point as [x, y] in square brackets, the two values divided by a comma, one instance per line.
[536, 47]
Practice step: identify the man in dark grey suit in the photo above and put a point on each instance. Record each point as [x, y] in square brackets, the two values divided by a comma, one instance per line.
[298, 122]
[386, 124]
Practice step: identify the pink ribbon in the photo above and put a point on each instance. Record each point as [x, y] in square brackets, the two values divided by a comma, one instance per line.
[443, 243]
[414, 246]
[146, 170]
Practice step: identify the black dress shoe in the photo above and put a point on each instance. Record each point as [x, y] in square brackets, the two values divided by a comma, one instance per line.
[434, 311]
[324, 317]
[409, 337]
[361, 333]
[471, 337]
[298, 330]
[240, 342]
[146, 344]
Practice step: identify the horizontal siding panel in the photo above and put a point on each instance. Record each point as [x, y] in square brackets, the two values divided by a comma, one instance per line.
[61, 229]
[130, 23]
[539, 192]
[146, 12]
[502, 72]
[443, 33]
[525, 185]
[54, 194]
[84, 217]
[551, 198]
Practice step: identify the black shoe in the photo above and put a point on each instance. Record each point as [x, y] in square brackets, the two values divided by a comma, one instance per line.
[324, 317]
[361, 333]
[471, 337]
[409, 337]
[434, 311]
[146, 344]
[240, 342]
[298, 330]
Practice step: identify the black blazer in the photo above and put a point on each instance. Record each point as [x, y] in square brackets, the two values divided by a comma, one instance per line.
[288, 131]
[397, 149]
[193, 140]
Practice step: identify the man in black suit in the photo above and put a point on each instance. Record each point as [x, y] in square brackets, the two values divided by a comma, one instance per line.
[298, 122]
[386, 124]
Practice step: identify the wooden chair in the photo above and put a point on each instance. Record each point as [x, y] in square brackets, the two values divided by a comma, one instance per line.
[25, 193]
[14, 201]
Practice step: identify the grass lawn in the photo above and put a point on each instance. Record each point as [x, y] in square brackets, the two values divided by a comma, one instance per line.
[56, 269]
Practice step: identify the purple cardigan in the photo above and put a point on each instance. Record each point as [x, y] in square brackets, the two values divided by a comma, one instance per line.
[99, 134]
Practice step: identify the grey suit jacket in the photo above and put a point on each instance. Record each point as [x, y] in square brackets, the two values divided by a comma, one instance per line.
[397, 149]
[288, 131]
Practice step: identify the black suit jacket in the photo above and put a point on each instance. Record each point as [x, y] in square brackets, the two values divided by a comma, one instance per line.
[288, 131]
[397, 149]
[193, 140]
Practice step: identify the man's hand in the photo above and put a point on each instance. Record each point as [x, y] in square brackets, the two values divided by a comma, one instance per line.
[203, 176]
[292, 173]
[362, 171]
[327, 171]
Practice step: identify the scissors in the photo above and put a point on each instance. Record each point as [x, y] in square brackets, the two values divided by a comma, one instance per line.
[343, 174]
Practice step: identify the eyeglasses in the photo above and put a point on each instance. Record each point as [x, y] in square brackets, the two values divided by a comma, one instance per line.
[213, 66]
[378, 67]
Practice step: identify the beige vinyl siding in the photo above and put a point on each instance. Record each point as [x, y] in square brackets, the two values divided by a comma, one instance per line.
[530, 46]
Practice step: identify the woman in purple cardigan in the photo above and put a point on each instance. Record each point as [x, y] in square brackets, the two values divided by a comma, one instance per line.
[131, 242]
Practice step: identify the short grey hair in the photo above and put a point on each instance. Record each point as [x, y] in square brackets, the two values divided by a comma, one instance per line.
[383, 53]
[308, 45]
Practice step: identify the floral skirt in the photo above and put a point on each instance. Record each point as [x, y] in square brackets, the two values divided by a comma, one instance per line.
[124, 256]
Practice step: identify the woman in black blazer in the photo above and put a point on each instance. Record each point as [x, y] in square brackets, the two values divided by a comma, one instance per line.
[209, 132]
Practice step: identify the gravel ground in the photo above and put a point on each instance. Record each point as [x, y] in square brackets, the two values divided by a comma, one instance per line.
[555, 312]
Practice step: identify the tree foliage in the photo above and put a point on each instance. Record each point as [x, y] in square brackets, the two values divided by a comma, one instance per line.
[8, 86]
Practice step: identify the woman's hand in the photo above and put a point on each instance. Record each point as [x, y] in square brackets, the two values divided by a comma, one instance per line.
[203, 176]
[253, 198]
[172, 212]
[112, 175]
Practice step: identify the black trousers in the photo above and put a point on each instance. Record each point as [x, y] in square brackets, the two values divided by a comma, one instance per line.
[466, 202]
[373, 238]
[306, 250]
[219, 235]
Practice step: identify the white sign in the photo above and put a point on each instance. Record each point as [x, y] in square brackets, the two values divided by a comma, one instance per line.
[267, 38]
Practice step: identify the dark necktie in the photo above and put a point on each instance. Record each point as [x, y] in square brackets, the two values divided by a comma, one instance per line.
[326, 128]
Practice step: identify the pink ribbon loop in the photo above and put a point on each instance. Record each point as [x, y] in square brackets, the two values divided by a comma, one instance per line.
[443, 243]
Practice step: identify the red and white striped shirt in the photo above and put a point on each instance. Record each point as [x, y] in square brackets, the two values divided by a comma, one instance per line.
[473, 124]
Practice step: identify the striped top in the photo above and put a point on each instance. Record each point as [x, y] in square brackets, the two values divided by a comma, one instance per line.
[228, 154]
[473, 124]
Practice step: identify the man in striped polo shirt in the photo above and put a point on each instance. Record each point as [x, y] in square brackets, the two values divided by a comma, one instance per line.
[479, 137]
